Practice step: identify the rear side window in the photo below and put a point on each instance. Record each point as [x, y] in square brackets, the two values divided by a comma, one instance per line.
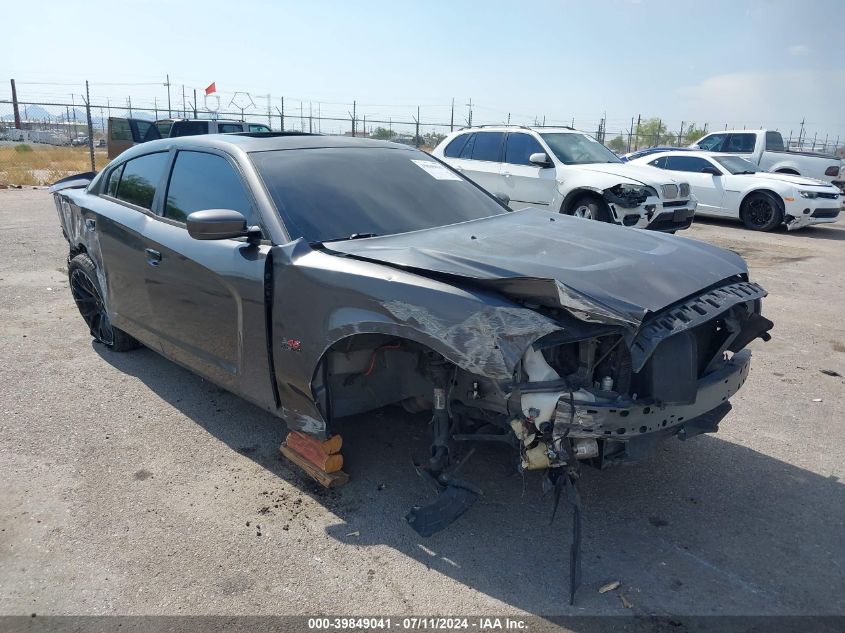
[488, 146]
[226, 128]
[257, 127]
[743, 143]
[140, 178]
[201, 181]
[466, 152]
[713, 143]
[660, 163]
[113, 181]
[519, 148]
[453, 149]
[189, 128]
[686, 163]
[774, 142]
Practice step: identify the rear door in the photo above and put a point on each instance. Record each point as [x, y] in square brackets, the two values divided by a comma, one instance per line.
[208, 295]
[129, 193]
[525, 183]
[480, 160]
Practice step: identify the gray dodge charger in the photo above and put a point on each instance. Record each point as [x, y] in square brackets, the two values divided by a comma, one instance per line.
[320, 277]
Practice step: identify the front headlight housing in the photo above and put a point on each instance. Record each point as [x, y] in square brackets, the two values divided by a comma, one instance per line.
[811, 195]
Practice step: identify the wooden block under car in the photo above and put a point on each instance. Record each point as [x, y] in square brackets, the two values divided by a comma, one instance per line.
[329, 480]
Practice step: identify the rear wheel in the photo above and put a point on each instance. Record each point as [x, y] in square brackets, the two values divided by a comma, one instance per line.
[761, 211]
[88, 295]
[589, 208]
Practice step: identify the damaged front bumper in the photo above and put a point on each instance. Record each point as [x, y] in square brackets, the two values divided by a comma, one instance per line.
[654, 213]
[803, 213]
[629, 432]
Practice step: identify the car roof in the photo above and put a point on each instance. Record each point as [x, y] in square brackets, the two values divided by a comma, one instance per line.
[258, 142]
[518, 128]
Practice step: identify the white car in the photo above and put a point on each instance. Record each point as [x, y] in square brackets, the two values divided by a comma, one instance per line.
[563, 170]
[733, 187]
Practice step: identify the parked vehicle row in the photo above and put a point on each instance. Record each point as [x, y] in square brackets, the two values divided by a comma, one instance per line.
[731, 186]
[566, 171]
[124, 133]
[766, 149]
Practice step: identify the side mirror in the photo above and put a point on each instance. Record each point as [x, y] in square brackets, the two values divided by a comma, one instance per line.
[712, 171]
[216, 224]
[540, 159]
[503, 198]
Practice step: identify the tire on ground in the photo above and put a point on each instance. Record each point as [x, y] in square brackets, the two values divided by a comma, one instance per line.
[596, 208]
[761, 211]
[113, 338]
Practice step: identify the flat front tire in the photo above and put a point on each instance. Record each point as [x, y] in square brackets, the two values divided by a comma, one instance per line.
[589, 208]
[88, 295]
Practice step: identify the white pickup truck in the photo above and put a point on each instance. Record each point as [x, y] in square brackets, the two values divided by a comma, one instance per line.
[766, 149]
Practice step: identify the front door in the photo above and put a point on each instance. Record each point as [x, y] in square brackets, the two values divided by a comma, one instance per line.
[709, 189]
[525, 183]
[205, 293]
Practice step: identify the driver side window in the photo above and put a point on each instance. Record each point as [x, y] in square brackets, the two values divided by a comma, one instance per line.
[713, 143]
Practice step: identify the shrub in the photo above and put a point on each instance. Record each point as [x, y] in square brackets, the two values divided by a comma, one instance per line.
[22, 147]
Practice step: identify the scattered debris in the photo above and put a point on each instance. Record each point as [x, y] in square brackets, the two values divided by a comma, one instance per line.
[381, 487]
[625, 602]
[830, 372]
[656, 521]
[817, 400]
[610, 586]
[355, 533]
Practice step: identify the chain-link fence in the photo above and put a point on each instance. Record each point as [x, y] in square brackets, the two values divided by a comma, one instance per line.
[41, 142]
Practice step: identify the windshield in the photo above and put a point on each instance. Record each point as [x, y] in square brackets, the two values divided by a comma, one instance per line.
[578, 149]
[334, 193]
[736, 165]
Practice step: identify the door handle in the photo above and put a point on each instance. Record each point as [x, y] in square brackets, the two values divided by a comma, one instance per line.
[153, 257]
[90, 224]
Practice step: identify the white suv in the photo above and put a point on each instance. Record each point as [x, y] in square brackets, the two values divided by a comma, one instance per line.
[564, 170]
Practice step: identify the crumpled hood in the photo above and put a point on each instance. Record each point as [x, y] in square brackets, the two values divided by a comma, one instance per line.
[598, 272]
[644, 174]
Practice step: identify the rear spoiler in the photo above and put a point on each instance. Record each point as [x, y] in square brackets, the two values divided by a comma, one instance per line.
[77, 181]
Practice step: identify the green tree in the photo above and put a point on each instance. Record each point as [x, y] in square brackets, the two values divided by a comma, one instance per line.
[617, 144]
[383, 133]
[653, 132]
[693, 133]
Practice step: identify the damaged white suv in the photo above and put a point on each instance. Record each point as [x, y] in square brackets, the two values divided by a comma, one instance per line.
[564, 170]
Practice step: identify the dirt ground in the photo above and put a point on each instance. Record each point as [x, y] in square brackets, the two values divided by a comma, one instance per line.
[131, 486]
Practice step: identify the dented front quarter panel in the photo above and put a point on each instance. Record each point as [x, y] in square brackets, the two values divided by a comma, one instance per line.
[321, 298]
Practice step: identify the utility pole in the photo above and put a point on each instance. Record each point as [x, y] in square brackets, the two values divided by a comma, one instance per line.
[169, 112]
[129, 99]
[509, 118]
[90, 127]
[354, 104]
[469, 118]
[195, 103]
[451, 120]
[310, 119]
[637, 135]
[15, 106]
[282, 114]
[630, 133]
[801, 135]
[681, 133]
[269, 115]
[183, 102]
[417, 132]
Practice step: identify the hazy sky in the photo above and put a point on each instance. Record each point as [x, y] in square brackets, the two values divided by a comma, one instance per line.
[759, 62]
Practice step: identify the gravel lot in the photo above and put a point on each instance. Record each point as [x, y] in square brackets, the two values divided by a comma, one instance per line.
[131, 486]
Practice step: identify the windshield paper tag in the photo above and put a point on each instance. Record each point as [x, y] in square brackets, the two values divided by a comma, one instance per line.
[436, 170]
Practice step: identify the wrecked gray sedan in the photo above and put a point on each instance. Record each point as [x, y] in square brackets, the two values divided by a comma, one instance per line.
[320, 277]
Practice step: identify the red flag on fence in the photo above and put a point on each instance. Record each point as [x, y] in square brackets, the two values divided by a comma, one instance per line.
[212, 87]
